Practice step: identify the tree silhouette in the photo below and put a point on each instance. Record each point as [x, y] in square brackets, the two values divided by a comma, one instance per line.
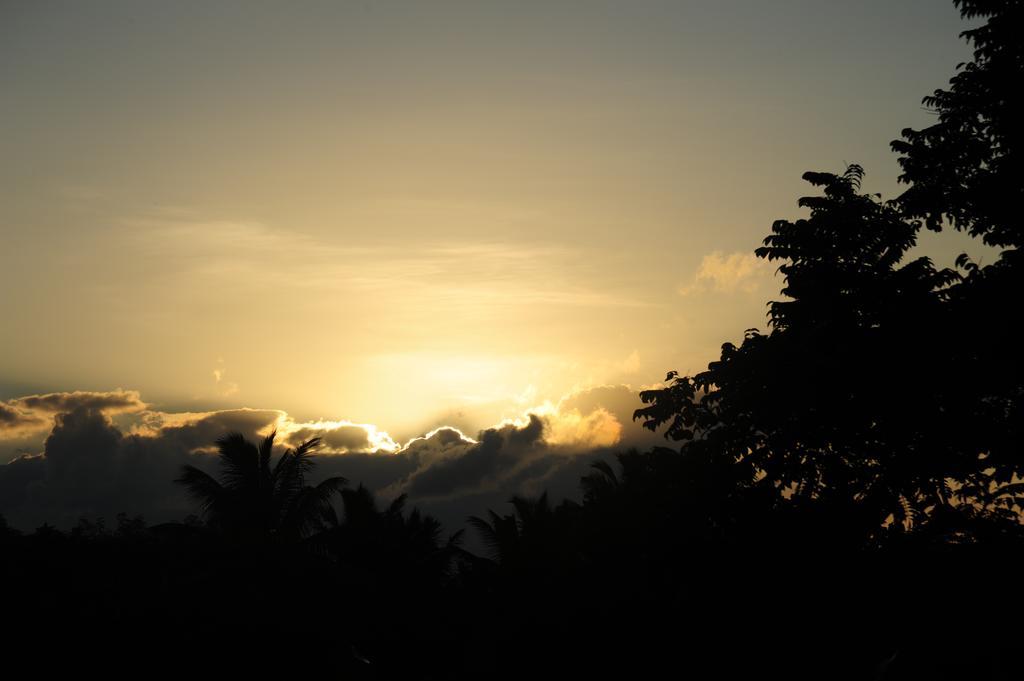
[967, 166]
[965, 171]
[845, 404]
[391, 545]
[537, 537]
[395, 567]
[255, 499]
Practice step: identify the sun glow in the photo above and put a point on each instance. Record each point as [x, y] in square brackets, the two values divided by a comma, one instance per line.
[375, 440]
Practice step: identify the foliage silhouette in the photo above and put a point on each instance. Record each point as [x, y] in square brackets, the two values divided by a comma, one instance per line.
[965, 171]
[535, 529]
[874, 432]
[397, 568]
[256, 500]
[966, 168]
[381, 542]
[845, 403]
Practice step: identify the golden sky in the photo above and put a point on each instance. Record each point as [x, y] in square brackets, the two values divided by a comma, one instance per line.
[414, 214]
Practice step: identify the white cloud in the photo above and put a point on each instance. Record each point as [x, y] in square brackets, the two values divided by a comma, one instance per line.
[225, 388]
[738, 272]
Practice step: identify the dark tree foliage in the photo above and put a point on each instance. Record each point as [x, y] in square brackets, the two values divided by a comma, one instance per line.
[855, 403]
[966, 168]
[679, 562]
[395, 569]
[534, 530]
[889, 391]
[257, 498]
[392, 546]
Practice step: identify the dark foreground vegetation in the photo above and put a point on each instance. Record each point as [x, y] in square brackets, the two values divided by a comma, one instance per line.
[842, 500]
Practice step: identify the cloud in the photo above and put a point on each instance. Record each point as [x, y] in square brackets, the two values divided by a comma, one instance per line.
[197, 432]
[522, 456]
[480, 275]
[738, 272]
[93, 465]
[494, 458]
[34, 413]
[225, 388]
[340, 437]
[89, 466]
[115, 401]
[12, 418]
[606, 409]
[599, 428]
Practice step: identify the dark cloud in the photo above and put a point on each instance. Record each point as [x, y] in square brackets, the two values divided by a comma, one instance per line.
[88, 468]
[201, 432]
[375, 471]
[36, 412]
[498, 453]
[17, 480]
[13, 418]
[116, 400]
[91, 465]
[9, 416]
[343, 439]
[557, 474]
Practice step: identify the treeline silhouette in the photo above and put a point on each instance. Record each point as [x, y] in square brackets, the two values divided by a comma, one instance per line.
[843, 500]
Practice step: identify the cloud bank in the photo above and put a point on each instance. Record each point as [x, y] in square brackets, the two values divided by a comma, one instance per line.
[24, 415]
[108, 452]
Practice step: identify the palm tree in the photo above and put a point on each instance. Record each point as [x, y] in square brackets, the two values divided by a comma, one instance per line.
[255, 499]
[387, 541]
[536, 534]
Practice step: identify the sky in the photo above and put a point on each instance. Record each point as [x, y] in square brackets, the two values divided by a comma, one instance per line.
[412, 215]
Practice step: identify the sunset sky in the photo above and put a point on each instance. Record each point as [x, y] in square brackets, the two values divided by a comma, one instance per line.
[417, 214]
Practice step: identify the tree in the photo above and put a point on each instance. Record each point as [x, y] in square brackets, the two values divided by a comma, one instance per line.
[394, 569]
[849, 403]
[257, 500]
[966, 168]
[535, 538]
[390, 545]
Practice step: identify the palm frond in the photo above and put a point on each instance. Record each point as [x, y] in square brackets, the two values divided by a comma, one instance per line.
[454, 540]
[306, 512]
[500, 534]
[289, 475]
[296, 464]
[266, 450]
[605, 468]
[360, 506]
[201, 486]
[239, 460]
[398, 505]
[256, 498]
[488, 535]
[332, 485]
